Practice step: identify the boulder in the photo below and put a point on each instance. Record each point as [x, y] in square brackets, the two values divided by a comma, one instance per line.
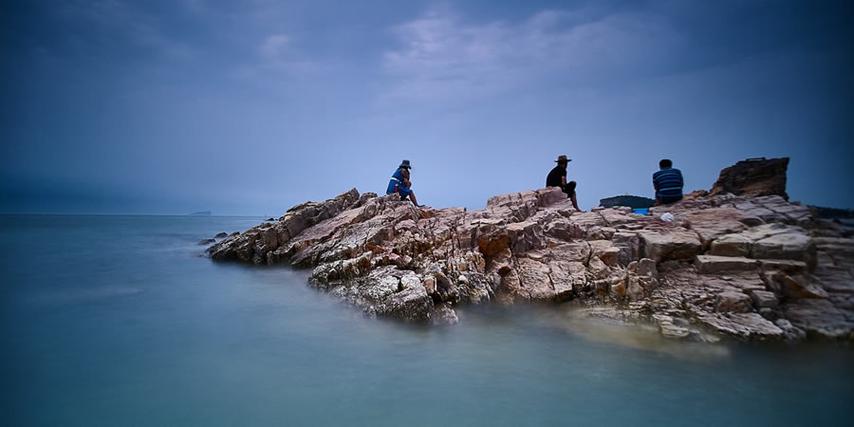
[754, 177]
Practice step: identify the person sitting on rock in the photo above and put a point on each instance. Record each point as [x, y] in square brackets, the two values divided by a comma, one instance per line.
[668, 183]
[557, 178]
[400, 183]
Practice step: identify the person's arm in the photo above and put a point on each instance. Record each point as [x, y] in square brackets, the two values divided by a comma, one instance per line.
[563, 180]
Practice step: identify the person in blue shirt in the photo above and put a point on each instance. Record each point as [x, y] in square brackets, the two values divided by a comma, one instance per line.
[400, 183]
[668, 183]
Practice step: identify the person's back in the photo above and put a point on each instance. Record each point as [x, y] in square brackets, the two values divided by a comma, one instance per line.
[556, 177]
[668, 183]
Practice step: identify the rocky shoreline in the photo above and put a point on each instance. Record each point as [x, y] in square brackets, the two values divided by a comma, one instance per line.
[738, 261]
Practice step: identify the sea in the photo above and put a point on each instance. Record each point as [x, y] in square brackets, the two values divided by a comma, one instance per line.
[121, 321]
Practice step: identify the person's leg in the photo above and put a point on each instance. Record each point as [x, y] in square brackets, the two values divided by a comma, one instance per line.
[412, 197]
[407, 193]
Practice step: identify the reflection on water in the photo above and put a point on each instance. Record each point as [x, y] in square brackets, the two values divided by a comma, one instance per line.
[119, 321]
[636, 335]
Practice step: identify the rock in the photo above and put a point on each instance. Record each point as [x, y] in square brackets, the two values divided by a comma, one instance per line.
[675, 244]
[712, 223]
[723, 264]
[733, 302]
[734, 245]
[794, 244]
[206, 241]
[799, 287]
[820, 318]
[764, 299]
[443, 315]
[742, 325]
[785, 265]
[754, 177]
[790, 331]
[729, 264]
[221, 235]
[388, 292]
[646, 267]
[605, 251]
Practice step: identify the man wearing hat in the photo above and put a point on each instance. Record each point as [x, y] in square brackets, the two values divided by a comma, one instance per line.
[400, 184]
[557, 178]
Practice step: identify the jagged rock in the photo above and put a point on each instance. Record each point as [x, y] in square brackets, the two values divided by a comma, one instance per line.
[729, 263]
[206, 241]
[221, 235]
[754, 177]
[388, 291]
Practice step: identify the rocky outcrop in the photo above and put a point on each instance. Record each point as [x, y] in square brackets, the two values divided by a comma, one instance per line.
[750, 267]
[754, 177]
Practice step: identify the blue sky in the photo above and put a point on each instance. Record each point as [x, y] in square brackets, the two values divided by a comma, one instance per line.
[248, 107]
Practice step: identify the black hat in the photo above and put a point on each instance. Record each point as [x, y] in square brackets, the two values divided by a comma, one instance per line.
[563, 159]
[405, 164]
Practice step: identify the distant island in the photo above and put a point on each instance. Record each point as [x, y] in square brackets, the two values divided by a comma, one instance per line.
[200, 213]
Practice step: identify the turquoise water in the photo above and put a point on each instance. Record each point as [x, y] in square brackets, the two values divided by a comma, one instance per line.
[117, 320]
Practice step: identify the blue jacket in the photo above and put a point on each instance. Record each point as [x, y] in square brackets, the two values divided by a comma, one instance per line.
[395, 184]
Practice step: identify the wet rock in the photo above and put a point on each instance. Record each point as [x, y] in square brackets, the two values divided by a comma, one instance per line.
[206, 241]
[221, 235]
[443, 315]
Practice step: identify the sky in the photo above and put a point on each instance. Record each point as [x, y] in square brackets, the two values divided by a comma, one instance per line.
[249, 107]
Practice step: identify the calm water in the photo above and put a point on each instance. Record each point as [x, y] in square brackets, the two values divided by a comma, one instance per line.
[117, 320]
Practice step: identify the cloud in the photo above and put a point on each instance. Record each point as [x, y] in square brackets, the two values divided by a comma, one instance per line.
[274, 47]
[440, 56]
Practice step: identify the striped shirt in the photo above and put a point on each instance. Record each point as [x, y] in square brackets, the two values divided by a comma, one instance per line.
[668, 185]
